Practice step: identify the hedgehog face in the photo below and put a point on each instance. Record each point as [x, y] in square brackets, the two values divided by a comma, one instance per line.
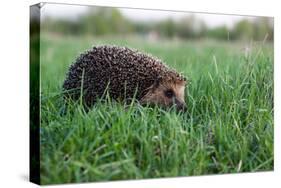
[166, 94]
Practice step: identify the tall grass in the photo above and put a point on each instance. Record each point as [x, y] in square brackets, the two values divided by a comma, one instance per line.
[228, 127]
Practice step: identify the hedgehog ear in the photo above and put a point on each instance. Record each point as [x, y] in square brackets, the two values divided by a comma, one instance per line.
[157, 82]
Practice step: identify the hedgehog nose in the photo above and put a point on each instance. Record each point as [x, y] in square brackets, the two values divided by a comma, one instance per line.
[180, 105]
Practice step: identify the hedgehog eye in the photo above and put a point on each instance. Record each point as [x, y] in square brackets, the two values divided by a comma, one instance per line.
[169, 93]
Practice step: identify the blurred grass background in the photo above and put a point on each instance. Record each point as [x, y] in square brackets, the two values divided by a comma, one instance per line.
[100, 21]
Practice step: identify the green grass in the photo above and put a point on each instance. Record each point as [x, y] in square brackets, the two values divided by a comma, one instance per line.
[228, 127]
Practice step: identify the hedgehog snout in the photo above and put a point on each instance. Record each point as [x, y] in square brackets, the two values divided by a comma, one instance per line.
[180, 106]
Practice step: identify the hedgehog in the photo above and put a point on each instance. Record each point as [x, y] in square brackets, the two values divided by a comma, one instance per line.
[124, 74]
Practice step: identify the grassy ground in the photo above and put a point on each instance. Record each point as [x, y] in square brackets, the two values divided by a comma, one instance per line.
[228, 127]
